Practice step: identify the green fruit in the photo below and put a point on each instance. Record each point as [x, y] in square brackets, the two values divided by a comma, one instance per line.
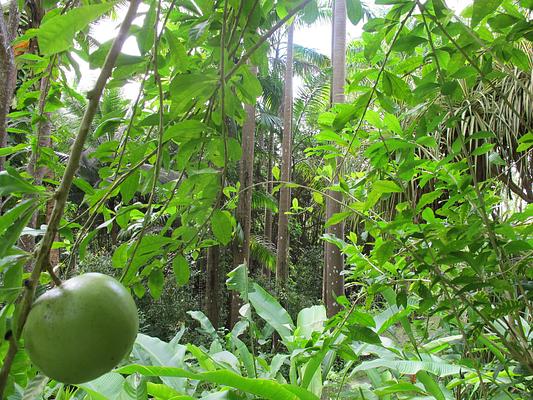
[81, 329]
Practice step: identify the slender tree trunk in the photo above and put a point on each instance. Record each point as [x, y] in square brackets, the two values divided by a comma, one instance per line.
[8, 70]
[282, 259]
[334, 263]
[212, 287]
[270, 186]
[44, 129]
[241, 253]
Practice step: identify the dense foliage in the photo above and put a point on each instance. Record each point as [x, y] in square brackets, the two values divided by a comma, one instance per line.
[177, 193]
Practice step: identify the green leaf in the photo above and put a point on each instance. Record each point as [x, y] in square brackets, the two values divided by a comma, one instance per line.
[408, 43]
[129, 187]
[395, 86]
[185, 130]
[268, 308]
[108, 386]
[11, 182]
[221, 226]
[244, 355]
[364, 334]
[430, 385]
[238, 281]
[264, 388]
[13, 222]
[7, 151]
[57, 33]
[484, 148]
[354, 9]
[383, 186]
[337, 218]
[205, 325]
[180, 266]
[407, 367]
[276, 172]
[401, 387]
[35, 387]
[156, 281]
[311, 320]
[146, 36]
[482, 8]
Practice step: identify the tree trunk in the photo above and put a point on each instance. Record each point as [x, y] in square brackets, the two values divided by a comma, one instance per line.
[8, 70]
[270, 186]
[334, 263]
[241, 254]
[282, 256]
[212, 286]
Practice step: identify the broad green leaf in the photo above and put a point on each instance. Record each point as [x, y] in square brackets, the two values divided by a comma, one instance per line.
[11, 182]
[383, 186]
[482, 8]
[130, 186]
[238, 281]
[107, 387]
[160, 353]
[181, 269]
[221, 226]
[146, 36]
[276, 172]
[337, 218]
[408, 43]
[354, 9]
[13, 222]
[430, 385]
[364, 334]
[245, 355]
[7, 151]
[263, 388]
[205, 324]
[156, 281]
[185, 130]
[395, 86]
[57, 33]
[401, 387]
[311, 320]
[268, 308]
[407, 367]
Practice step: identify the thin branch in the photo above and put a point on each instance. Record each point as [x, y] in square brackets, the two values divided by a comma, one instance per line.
[265, 37]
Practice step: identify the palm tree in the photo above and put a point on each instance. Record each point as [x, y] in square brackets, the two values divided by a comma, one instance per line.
[333, 282]
[282, 262]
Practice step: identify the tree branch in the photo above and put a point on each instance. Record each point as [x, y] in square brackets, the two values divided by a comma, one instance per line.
[60, 197]
[265, 37]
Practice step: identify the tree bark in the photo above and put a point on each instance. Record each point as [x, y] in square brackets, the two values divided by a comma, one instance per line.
[212, 288]
[270, 186]
[241, 252]
[282, 255]
[334, 263]
[8, 70]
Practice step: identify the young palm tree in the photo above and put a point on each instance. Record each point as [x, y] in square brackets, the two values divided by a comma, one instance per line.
[282, 262]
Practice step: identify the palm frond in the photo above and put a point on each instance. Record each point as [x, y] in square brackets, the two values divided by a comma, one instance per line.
[262, 200]
[263, 252]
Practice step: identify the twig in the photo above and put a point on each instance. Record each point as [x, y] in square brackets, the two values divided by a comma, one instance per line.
[265, 37]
